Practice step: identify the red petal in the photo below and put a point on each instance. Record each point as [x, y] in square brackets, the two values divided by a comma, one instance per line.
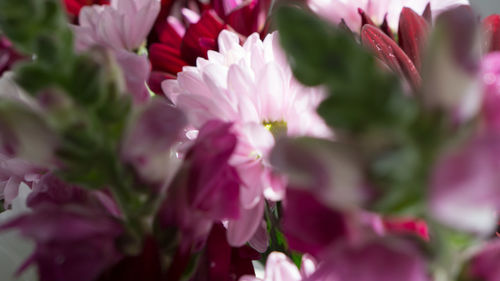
[208, 27]
[250, 17]
[155, 80]
[412, 32]
[166, 59]
[491, 26]
[389, 52]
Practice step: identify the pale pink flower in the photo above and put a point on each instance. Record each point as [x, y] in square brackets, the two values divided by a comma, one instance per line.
[376, 10]
[123, 27]
[280, 268]
[253, 87]
[124, 24]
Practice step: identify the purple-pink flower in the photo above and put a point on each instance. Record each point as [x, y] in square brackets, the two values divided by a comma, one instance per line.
[463, 190]
[75, 236]
[387, 259]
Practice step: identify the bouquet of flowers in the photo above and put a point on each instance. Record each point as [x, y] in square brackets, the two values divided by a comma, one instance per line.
[220, 140]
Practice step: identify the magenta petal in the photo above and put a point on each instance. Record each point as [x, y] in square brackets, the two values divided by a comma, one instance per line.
[484, 265]
[309, 226]
[387, 260]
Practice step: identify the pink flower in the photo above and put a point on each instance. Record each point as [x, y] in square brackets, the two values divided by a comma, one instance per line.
[280, 268]
[376, 10]
[464, 191]
[123, 27]
[253, 87]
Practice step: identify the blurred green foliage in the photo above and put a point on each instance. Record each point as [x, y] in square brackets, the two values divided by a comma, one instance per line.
[367, 107]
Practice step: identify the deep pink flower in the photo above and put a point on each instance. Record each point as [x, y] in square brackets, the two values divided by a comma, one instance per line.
[309, 226]
[206, 188]
[405, 226]
[75, 237]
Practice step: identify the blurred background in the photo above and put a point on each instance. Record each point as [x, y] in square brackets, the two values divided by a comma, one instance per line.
[486, 7]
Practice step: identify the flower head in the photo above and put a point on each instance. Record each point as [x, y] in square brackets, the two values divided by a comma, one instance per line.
[122, 27]
[253, 87]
